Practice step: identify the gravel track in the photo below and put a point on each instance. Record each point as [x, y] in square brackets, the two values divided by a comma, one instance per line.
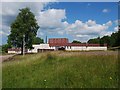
[6, 57]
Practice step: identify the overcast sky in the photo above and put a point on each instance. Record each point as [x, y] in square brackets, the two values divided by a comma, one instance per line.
[72, 20]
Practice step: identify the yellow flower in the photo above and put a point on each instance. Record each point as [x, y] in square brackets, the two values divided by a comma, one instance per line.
[110, 77]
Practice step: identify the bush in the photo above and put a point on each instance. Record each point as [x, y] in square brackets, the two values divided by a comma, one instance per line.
[5, 48]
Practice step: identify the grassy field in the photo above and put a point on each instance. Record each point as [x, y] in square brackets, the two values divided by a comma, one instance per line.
[62, 70]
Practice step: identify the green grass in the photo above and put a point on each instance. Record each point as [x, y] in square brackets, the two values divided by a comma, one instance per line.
[61, 70]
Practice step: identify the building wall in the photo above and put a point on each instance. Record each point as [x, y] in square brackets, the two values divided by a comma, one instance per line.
[68, 48]
[40, 46]
[52, 47]
[14, 52]
[36, 47]
[84, 48]
[97, 48]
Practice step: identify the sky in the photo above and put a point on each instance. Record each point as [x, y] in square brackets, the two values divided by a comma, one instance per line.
[73, 20]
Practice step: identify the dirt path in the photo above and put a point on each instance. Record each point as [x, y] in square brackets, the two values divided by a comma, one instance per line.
[5, 57]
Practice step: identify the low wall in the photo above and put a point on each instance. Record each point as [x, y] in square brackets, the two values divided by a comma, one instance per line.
[97, 48]
[84, 48]
[14, 52]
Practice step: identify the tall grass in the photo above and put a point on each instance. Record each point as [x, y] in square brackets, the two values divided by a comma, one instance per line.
[61, 70]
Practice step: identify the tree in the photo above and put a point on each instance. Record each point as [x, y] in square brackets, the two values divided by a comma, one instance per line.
[94, 41]
[38, 40]
[5, 48]
[75, 41]
[23, 30]
[105, 40]
[118, 39]
[113, 39]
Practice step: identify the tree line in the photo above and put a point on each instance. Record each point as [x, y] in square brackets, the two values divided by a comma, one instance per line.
[112, 41]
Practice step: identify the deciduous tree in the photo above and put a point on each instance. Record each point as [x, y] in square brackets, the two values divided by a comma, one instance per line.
[23, 30]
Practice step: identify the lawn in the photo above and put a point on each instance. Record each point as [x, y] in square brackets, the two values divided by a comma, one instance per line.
[62, 70]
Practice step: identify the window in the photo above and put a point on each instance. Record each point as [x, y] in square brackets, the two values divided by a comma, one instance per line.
[67, 47]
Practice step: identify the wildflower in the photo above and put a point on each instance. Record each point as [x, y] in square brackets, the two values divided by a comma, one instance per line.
[110, 77]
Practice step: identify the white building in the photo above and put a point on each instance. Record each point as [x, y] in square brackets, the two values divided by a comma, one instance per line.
[85, 48]
[40, 48]
[61, 44]
[67, 47]
[14, 50]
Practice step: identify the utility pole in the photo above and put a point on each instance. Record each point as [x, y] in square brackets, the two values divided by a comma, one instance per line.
[46, 40]
[23, 45]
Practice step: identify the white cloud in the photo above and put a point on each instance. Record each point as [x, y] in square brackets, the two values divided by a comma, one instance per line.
[9, 8]
[105, 10]
[65, 24]
[5, 30]
[90, 22]
[51, 18]
[10, 11]
[81, 36]
[105, 33]
[109, 23]
[88, 29]
[116, 28]
[53, 21]
[3, 33]
[7, 11]
[0, 5]
[40, 33]
[60, 32]
[117, 22]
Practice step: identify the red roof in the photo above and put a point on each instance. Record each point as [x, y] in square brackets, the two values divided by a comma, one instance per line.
[57, 44]
[58, 40]
[14, 49]
[74, 44]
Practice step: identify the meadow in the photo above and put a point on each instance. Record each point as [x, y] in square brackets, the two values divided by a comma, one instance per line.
[97, 69]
